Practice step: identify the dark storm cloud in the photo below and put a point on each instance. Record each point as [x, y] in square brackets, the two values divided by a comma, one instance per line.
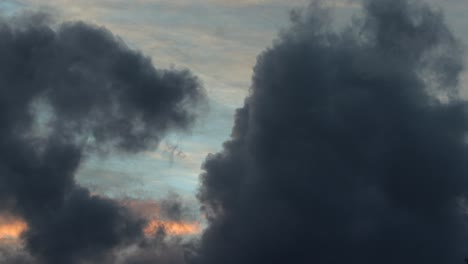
[176, 208]
[161, 245]
[64, 89]
[10, 254]
[158, 249]
[351, 147]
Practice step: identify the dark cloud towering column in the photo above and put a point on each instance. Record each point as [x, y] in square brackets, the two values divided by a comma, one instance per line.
[351, 148]
[65, 89]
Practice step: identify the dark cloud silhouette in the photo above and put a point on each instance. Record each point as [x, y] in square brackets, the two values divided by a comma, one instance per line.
[351, 147]
[162, 245]
[158, 249]
[175, 207]
[66, 89]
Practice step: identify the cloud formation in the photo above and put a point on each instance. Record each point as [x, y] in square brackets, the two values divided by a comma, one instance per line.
[351, 147]
[67, 89]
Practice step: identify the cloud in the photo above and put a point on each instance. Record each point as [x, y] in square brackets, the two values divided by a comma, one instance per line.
[11, 228]
[68, 90]
[344, 152]
[117, 4]
[171, 226]
[245, 27]
[172, 216]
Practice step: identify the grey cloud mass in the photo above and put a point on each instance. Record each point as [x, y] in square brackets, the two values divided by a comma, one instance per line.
[66, 89]
[351, 147]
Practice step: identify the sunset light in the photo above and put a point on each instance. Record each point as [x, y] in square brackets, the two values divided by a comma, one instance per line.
[11, 228]
[172, 228]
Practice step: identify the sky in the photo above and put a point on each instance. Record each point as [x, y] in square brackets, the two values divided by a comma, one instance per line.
[259, 134]
[219, 41]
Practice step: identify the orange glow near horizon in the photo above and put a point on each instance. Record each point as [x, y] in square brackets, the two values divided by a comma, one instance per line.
[11, 228]
[172, 228]
[151, 211]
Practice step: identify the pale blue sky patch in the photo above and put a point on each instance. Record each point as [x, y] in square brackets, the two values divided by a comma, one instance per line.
[9, 7]
[173, 167]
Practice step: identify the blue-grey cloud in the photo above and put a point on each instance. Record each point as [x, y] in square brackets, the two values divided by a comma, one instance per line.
[351, 147]
[65, 89]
